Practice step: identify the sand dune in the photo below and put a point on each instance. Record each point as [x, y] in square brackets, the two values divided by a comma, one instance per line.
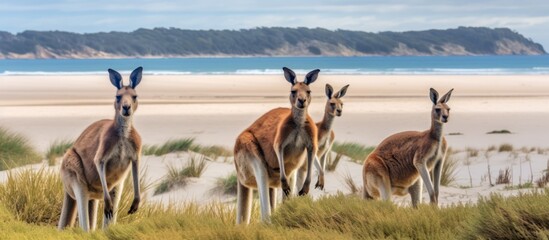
[214, 109]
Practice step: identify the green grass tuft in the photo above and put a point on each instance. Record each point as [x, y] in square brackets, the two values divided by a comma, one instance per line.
[176, 145]
[226, 185]
[449, 171]
[179, 177]
[57, 149]
[33, 196]
[15, 150]
[213, 152]
[355, 151]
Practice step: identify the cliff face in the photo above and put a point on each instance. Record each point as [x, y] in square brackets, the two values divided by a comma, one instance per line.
[162, 42]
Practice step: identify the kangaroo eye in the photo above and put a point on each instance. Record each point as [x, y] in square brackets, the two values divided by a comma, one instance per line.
[294, 92]
[437, 110]
[118, 98]
[134, 98]
[308, 91]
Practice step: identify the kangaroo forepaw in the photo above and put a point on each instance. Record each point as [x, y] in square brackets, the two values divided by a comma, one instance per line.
[108, 209]
[286, 187]
[135, 206]
[320, 183]
[304, 191]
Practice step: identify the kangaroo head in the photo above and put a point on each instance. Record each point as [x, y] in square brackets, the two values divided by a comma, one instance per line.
[334, 105]
[126, 96]
[300, 95]
[441, 111]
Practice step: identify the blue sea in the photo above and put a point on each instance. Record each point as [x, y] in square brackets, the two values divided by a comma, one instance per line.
[420, 65]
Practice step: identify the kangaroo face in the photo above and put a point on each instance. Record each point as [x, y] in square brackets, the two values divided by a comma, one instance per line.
[300, 95]
[441, 110]
[125, 102]
[334, 105]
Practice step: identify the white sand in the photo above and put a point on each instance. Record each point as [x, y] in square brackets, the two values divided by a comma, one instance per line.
[215, 109]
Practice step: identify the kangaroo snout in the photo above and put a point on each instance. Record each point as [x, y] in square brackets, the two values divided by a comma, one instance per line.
[444, 119]
[126, 110]
[301, 102]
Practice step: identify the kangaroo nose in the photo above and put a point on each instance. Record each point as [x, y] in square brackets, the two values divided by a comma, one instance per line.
[126, 107]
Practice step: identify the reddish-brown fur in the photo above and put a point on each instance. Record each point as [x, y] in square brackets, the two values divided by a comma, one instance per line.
[106, 146]
[326, 136]
[402, 161]
[281, 134]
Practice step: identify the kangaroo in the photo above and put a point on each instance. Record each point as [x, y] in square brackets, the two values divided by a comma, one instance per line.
[97, 164]
[326, 136]
[273, 147]
[402, 161]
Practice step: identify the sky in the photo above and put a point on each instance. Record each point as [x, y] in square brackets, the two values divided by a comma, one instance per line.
[528, 17]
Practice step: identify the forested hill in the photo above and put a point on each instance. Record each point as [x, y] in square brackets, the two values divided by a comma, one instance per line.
[274, 41]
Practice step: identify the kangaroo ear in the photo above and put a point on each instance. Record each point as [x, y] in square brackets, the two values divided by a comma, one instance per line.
[446, 97]
[342, 92]
[135, 77]
[311, 76]
[434, 95]
[329, 91]
[289, 75]
[116, 78]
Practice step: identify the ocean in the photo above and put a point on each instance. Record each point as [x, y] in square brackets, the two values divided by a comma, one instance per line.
[372, 65]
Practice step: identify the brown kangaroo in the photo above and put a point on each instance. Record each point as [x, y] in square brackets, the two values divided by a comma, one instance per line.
[273, 147]
[99, 161]
[398, 162]
[326, 136]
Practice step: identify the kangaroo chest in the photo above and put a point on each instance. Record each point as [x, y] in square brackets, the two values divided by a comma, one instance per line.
[433, 155]
[296, 142]
[119, 160]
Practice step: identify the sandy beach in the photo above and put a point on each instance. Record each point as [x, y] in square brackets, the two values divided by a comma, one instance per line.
[216, 108]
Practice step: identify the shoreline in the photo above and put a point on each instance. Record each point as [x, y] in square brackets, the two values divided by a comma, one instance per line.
[216, 108]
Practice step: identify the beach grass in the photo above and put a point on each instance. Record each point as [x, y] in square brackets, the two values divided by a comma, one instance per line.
[174, 145]
[57, 149]
[15, 150]
[179, 176]
[355, 151]
[331, 217]
[226, 185]
[449, 171]
[213, 152]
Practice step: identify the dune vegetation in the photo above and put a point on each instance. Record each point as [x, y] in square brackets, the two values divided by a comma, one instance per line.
[15, 150]
[32, 212]
[57, 149]
[31, 199]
